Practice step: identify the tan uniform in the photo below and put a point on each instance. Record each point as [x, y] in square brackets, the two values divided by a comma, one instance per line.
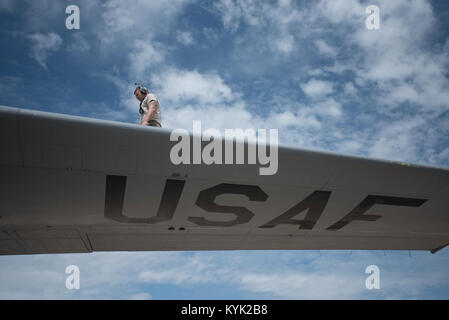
[144, 105]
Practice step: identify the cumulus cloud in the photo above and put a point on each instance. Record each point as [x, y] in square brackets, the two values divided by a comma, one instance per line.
[230, 14]
[185, 37]
[350, 89]
[292, 275]
[285, 44]
[140, 296]
[78, 44]
[119, 18]
[143, 56]
[328, 107]
[396, 140]
[317, 88]
[396, 57]
[305, 118]
[183, 86]
[42, 45]
[211, 34]
[325, 49]
[396, 68]
[302, 285]
[273, 21]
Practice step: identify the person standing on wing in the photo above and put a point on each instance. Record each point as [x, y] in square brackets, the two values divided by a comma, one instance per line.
[150, 108]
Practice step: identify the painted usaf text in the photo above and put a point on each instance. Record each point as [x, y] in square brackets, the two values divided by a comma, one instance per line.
[314, 203]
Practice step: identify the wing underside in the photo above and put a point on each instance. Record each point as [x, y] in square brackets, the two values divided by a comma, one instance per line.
[71, 184]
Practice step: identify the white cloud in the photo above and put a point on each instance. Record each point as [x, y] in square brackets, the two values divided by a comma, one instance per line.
[328, 107]
[298, 285]
[216, 116]
[350, 146]
[143, 56]
[315, 72]
[338, 11]
[398, 140]
[195, 270]
[179, 86]
[325, 49]
[125, 22]
[154, 14]
[231, 13]
[269, 274]
[42, 45]
[140, 296]
[78, 44]
[185, 37]
[317, 88]
[350, 89]
[270, 24]
[211, 34]
[305, 118]
[399, 72]
[397, 57]
[286, 43]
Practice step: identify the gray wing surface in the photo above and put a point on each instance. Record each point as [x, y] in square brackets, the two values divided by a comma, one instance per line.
[71, 184]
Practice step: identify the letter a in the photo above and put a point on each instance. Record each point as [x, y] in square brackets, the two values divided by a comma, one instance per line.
[372, 22]
[72, 281]
[372, 281]
[72, 21]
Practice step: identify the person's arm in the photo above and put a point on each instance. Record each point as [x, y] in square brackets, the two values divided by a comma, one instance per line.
[152, 106]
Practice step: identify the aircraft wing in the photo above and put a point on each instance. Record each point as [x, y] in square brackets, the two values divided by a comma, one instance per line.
[71, 184]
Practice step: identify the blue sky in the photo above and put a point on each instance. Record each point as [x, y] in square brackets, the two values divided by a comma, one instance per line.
[309, 68]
